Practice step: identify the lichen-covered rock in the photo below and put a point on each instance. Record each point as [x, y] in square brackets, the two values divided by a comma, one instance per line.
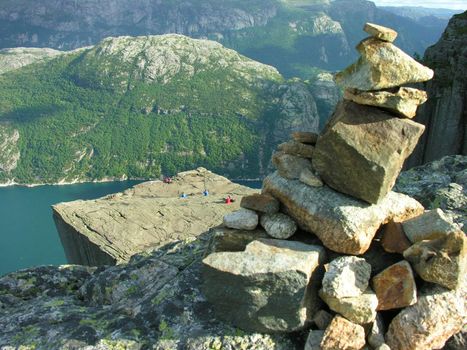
[442, 261]
[395, 287]
[380, 32]
[359, 309]
[382, 65]
[362, 150]
[346, 276]
[439, 184]
[260, 202]
[308, 177]
[343, 334]
[438, 314]
[242, 219]
[154, 301]
[305, 137]
[278, 225]
[270, 287]
[430, 225]
[296, 148]
[290, 166]
[403, 101]
[393, 239]
[342, 223]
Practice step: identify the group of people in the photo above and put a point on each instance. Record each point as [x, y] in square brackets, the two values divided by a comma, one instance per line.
[228, 199]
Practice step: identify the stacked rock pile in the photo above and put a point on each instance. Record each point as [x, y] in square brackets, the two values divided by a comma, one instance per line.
[328, 246]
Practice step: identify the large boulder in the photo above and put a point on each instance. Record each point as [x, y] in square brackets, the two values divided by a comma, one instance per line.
[270, 287]
[362, 150]
[442, 261]
[382, 65]
[438, 314]
[342, 223]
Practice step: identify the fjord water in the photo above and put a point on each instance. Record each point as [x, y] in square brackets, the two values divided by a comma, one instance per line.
[28, 236]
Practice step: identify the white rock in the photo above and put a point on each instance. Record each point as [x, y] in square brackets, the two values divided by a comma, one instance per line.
[242, 219]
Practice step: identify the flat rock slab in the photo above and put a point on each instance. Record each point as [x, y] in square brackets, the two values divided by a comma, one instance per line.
[362, 150]
[438, 315]
[270, 287]
[404, 101]
[395, 287]
[344, 224]
[111, 229]
[343, 334]
[381, 66]
[442, 261]
[260, 202]
[380, 32]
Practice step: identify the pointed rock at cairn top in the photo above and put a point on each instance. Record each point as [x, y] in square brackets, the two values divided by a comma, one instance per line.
[381, 66]
[380, 32]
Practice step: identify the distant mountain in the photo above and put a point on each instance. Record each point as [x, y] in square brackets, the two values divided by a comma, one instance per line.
[418, 12]
[298, 37]
[140, 107]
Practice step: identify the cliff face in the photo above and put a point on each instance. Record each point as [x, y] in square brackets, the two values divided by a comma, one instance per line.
[111, 229]
[445, 113]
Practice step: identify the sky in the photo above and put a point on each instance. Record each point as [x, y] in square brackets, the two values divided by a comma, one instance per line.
[450, 4]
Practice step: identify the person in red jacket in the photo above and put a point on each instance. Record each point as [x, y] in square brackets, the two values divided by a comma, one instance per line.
[228, 200]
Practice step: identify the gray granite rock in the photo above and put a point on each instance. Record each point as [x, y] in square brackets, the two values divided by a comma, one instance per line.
[313, 341]
[270, 287]
[380, 32]
[278, 225]
[290, 166]
[261, 203]
[242, 219]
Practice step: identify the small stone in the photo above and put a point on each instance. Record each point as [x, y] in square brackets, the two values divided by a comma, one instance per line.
[314, 339]
[305, 137]
[438, 315]
[430, 225]
[242, 219]
[322, 319]
[362, 150]
[394, 239]
[346, 276]
[260, 202]
[380, 32]
[360, 309]
[404, 101]
[343, 335]
[289, 166]
[442, 260]
[278, 225]
[383, 347]
[342, 223]
[377, 331]
[230, 240]
[311, 179]
[270, 287]
[298, 149]
[395, 287]
[382, 65]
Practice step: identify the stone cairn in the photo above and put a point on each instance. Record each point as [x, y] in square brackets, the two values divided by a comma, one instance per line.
[327, 246]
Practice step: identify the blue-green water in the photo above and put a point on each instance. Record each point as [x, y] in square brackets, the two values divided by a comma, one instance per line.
[28, 236]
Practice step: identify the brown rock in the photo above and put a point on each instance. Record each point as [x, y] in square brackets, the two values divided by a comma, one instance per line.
[260, 202]
[289, 166]
[343, 335]
[362, 150]
[380, 32]
[342, 223]
[438, 314]
[403, 101]
[395, 287]
[297, 149]
[442, 261]
[394, 239]
[305, 137]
